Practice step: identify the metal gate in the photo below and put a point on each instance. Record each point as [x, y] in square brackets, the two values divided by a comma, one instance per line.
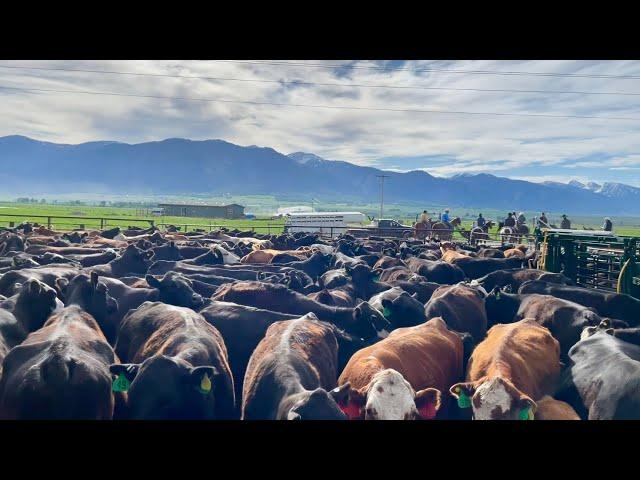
[592, 259]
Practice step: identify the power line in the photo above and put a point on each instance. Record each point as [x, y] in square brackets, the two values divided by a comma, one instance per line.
[323, 84]
[333, 107]
[473, 72]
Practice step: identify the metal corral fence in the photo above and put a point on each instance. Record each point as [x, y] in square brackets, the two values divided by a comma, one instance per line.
[64, 223]
[72, 223]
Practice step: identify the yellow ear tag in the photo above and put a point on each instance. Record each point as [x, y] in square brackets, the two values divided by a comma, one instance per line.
[205, 384]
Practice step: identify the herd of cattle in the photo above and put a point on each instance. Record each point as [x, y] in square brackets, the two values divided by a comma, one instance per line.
[144, 324]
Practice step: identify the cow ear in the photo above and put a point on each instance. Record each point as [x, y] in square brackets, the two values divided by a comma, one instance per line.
[172, 244]
[526, 408]
[94, 279]
[463, 393]
[152, 281]
[609, 331]
[353, 404]
[34, 286]
[341, 394]
[202, 378]
[61, 285]
[293, 415]
[428, 403]
[414, 295]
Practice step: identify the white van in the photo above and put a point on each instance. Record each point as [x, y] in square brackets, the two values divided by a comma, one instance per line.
[326, 223]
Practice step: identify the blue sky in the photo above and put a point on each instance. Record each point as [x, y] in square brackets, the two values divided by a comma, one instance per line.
[531, 148]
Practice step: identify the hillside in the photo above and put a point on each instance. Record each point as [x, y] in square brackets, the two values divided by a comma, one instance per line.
[179, 166]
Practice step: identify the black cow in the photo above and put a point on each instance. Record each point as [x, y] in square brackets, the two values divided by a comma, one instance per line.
[178, 365]
[474, 268]
[33, 304]
[291, 373]
[59, 372]
[564, 319]
[515, 277]
[93, 297]
[607, 304]
[363, 320]
[399, 307]
[436, 271]
[132, 261]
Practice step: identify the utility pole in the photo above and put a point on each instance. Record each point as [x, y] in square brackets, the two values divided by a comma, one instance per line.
[382, 177]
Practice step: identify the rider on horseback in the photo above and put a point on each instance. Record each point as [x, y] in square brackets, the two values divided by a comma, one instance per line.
[445, 218]
[510, 221]
[521, 219]
[480, 222]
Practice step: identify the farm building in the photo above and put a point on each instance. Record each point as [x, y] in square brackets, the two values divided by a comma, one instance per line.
[200, 210]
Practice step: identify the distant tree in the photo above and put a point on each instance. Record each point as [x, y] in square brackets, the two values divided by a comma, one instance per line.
[42, 200]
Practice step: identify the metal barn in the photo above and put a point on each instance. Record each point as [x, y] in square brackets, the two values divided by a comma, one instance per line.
[232, 211]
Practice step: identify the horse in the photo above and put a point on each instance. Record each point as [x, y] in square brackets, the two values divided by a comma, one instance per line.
[479, 233]
[422, 230]
[442, 232]
[508, 235]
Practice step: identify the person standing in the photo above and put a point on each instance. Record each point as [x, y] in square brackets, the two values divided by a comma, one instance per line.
[608, 225]
[424, 218]
[565, 223]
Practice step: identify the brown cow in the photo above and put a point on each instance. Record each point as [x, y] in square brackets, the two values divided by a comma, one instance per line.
[291, 373]
[266, 255]
[402, 376]
[551, 409]
[520, 251]
[449, 252]
[514, 366]
[334, 297]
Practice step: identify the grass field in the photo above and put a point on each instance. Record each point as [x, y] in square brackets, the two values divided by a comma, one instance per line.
[131, 216]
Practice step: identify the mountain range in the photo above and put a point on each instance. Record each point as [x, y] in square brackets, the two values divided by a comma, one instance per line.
[179, 167]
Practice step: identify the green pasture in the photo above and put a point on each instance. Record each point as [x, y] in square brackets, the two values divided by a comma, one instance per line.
[262, 206]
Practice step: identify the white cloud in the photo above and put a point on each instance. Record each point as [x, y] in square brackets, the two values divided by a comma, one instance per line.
[474, 143]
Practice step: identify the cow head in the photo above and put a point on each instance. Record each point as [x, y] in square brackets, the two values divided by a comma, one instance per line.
[135, 259]
[166, 388]
[38, 301]
[402, 309]
[169, 251]
[390, 397]
[604, 326]
[369, 323]
[93, 297]
[494, 399]
[316, 404]
[176, 289]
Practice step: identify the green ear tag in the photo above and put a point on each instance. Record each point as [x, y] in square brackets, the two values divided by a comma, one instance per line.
[463, 400]
[525, 414]
[375, 279]
[205, 385]
[121, 384]
[386, 313]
